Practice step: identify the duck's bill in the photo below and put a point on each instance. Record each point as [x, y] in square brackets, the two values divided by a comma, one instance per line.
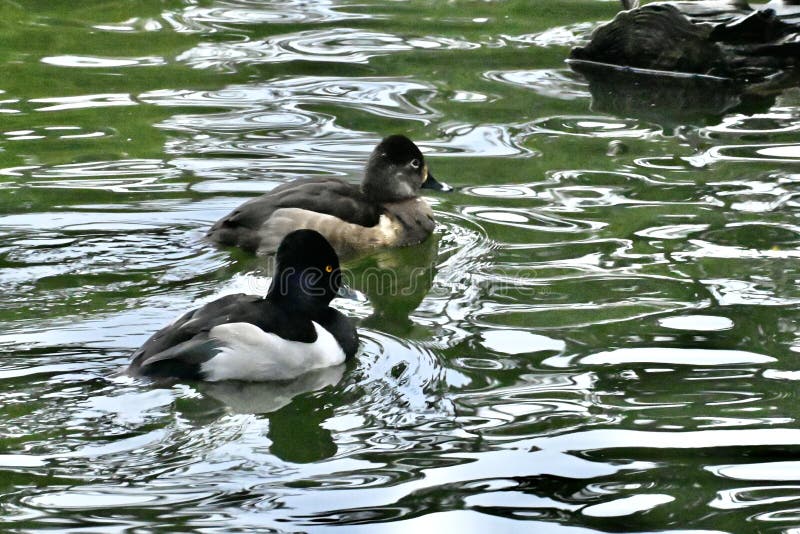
[433, 183]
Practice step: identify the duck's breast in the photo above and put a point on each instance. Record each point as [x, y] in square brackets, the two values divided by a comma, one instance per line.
[414, 219]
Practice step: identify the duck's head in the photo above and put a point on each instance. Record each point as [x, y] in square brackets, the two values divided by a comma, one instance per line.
[307, 275]
[396, 171]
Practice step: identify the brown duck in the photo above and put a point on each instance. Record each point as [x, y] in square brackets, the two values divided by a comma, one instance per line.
[384, 211]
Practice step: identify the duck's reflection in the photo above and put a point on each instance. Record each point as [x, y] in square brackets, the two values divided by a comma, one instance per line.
[395, 281]
[295, 417]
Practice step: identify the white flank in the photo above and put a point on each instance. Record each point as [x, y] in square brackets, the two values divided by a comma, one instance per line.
[249, 353]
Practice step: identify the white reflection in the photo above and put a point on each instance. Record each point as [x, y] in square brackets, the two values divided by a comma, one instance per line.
[675, 356]
[627, 505]
[519, 341]
[754, 496]
[103, 62]
[267, 397]
[62, 103]
[777, 471]
[698, 323]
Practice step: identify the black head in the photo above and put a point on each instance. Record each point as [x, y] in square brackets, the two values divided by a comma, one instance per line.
[396, 171]
[307, 275]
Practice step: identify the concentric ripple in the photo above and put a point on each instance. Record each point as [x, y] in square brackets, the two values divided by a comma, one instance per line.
[590, 126]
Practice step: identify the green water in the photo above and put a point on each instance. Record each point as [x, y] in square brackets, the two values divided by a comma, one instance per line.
[591, 343]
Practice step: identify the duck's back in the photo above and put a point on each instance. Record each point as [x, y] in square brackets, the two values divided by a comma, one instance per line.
[180, 348]
[244, 227]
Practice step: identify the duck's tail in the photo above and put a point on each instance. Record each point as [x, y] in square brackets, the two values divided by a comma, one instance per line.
[629, 4]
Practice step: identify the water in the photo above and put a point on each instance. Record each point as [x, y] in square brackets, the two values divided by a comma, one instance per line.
[591, 343]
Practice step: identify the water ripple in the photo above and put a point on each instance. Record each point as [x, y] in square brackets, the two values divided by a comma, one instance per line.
[561, 83]
[778, 121]
[569, 35]
[249, 12]
[274, 123]
[399, 98]
[699, 357]
[56, 133]
[767, 153]
[338, 45]
[590, 126]
[486, 140]
[532, 220]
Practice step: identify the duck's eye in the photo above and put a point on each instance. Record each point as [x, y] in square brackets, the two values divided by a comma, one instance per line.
[329, 268]
[415, 164]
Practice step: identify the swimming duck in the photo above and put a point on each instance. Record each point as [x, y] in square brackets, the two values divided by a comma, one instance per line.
[384, 211]
[247, 337]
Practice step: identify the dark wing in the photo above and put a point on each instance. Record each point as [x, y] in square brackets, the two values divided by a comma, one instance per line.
[183, 360]
[185, 339]
[179, 349]
[330, 196]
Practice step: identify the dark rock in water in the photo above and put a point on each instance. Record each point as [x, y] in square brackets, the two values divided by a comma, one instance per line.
[711, 37]
[673, 62]
[653, 37]
[753, 28]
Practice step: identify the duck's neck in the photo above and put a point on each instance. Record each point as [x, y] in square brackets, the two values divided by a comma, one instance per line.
[382, 188]
[297, 307]
[286, 294]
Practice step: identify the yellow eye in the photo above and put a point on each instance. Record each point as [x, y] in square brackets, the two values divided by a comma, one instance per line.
[328, 268]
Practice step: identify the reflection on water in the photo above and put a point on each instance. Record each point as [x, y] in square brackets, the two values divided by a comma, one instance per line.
[590, 126]
[395, 282]
[339, 45]
[549, 83]
[246, 397]
[594, 340]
